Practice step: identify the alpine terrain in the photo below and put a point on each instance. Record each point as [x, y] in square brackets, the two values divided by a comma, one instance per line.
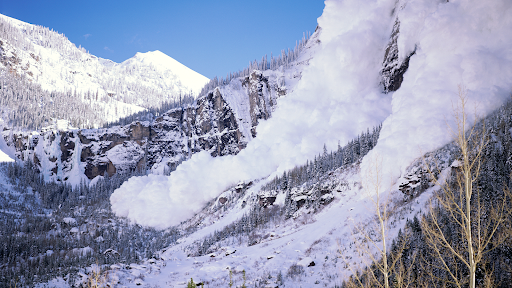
[375, 153]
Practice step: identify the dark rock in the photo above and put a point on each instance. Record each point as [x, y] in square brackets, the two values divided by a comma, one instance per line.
[92, 171]
[301, 203]
[257, 86]
[266, 201]
[67, 146]
[209, 125]
[393, 70]
[86, 154]
[324, 191]
[55, 170]
[83, 139]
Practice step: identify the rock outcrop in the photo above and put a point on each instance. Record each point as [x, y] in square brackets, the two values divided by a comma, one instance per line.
[162, 144]
[393, 69]
[158, 146]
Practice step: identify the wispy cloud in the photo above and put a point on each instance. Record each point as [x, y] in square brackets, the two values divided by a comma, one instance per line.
[87, 36]
[108, 49]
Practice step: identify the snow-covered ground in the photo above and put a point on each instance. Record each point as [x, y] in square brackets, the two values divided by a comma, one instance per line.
[324, 244]
[6, 152]
[339, 95]
[458, 42]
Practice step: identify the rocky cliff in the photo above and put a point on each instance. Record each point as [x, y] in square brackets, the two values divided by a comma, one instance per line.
[159, 146]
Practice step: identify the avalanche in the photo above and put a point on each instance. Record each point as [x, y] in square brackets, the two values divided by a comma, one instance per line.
[457, 42]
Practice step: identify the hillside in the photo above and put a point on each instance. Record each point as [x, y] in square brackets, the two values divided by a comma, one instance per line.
[53, 64]
[269, 177]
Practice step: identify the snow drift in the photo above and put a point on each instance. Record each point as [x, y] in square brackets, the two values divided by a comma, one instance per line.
[339, 96]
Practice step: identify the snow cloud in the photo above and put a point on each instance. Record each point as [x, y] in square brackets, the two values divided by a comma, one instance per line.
[338, 97]
[87, 36]
[465, 41]
[459, 42]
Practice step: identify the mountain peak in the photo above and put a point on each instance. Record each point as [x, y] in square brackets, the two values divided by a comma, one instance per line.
[163, 62]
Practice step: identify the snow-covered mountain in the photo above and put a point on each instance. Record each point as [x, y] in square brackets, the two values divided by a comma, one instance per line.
[398, 63]
[221, 122]
[167, 73]
[261, 198]
[344, 91]
[49, 59]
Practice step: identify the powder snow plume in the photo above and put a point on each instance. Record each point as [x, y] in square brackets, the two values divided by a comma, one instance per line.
[463, 42]
[339, 96]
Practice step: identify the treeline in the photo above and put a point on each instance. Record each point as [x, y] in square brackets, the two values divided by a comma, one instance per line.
[273, 63]
[25, 105]
[51, 230]
[151, 113]
[245, 230]
[314, 169]
[240, 231]
[23, 39]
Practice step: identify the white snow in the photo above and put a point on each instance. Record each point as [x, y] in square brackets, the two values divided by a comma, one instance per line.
[69, 220]
[337, 98]
[459, 42]
[191, 80]
[463, 41]
[6, 152]
[145, 80]
[327, 240]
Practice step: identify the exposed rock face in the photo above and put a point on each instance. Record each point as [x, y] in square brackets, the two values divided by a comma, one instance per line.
[393, 69]
[266, 201]
[414, 183]
[259, 105]
[221, 122]
[161, 145]
[215, 124]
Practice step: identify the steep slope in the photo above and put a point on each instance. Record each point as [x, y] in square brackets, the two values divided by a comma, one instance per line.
[393, 65]
[169, 72]
[344, 91]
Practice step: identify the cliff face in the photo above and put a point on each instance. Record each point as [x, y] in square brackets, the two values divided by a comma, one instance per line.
[159, 146]
[394, 68]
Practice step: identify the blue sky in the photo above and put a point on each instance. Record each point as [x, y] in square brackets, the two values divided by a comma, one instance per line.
[211, 37]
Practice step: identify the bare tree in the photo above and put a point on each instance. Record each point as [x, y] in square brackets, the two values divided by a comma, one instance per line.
[383, 268]
[477, 226]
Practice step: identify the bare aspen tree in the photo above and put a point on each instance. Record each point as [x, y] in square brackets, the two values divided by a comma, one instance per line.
[477, 227]
[388, 263]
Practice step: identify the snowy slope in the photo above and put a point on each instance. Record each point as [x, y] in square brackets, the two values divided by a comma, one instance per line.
[321, 241]
[50, 59]
[173, 73]
[339, 95]
[4, 157]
